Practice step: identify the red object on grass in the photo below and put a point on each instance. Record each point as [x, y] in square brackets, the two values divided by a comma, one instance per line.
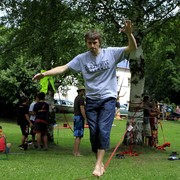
[167, 144]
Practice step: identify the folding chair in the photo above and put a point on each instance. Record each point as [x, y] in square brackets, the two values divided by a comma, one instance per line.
[3, 148]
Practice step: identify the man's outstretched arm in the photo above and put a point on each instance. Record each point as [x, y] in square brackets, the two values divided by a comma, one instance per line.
[51, 72]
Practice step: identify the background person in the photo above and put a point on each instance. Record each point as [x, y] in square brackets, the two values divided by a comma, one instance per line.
[24, 121]
[176, 114]
[79, 119]
[146, 121]
[32, 119]
[98, 67]
[177, 110]
[41, 108]
[154, 112]
[164, 111]
[4, 147]
[52, 115]
[118, 105]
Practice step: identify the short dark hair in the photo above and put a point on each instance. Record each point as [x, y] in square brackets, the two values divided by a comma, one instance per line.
[24, 99]
[146, 98]
[41, 96]
[93, 35]
[35, 95]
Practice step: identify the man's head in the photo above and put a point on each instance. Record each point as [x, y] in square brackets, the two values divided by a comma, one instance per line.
[93, 41]
[81, 90]
[41, 96]
[146, 98]
[24, 99]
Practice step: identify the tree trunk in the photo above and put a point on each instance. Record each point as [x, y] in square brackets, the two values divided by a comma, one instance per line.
[135, 114]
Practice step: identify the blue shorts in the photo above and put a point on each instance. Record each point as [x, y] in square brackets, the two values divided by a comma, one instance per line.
[100, 116]
[78, 126]
[7, 150]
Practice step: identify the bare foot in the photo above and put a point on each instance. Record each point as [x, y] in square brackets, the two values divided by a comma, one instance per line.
[102, 169]
[77, 154]
[98, 171]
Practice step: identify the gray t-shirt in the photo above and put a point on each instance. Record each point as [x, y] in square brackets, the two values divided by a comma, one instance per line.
[31, 107]
[99, 72]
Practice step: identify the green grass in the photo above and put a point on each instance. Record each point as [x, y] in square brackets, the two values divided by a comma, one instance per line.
[58, 163]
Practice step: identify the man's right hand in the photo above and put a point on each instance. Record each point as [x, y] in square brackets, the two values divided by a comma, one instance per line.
[38, 76]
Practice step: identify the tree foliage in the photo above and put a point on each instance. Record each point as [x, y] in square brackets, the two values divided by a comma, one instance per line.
[16, 80]
[47, 32]
[147, 15]
[162, 65]
[154, 24]
[41, 34]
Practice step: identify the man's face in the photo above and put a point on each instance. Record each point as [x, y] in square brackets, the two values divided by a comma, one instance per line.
[82, 92]
[93, 45]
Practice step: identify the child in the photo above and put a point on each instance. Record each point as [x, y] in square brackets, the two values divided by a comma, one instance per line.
[4, 147]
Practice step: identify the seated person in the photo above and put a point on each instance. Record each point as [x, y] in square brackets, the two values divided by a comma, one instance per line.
[4, 148]
[178, 110]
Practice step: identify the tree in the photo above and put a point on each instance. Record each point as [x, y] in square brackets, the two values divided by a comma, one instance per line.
[147, 17]
[46, 30]
[44, 34]
[163, 65]
[16, 81]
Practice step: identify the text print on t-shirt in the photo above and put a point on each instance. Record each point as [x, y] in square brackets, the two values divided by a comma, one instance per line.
[93, 67]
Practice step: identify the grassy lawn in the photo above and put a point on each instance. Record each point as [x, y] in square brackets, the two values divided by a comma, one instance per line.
[58, 163]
